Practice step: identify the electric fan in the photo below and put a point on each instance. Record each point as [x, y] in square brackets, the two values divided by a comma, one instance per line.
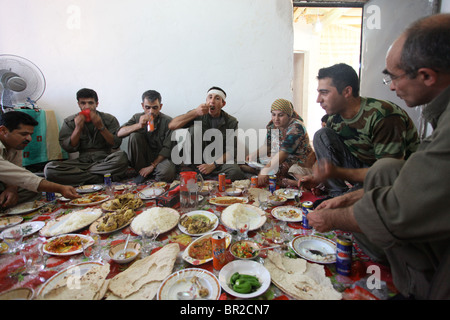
[21, 82]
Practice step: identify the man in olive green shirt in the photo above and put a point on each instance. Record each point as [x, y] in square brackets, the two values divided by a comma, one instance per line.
[209, 115]
[150, 145]
[94, 136]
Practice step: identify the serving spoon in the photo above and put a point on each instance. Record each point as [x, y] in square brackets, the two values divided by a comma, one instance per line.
[124, 251]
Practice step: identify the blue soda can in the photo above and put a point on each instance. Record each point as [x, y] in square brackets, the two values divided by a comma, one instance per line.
[344, 250]
[306, 208]
[50, 196]
[272, 183]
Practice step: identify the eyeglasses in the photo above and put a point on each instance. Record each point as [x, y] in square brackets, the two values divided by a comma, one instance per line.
[388, 78]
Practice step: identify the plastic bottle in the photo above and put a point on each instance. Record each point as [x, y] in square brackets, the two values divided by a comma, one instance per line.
[109, 189]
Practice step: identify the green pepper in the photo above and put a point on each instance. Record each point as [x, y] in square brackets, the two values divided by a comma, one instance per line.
[234, 277]
[252, 279]
[242, 286]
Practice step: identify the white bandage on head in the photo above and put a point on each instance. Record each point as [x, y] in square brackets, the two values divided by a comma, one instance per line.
[218, 92]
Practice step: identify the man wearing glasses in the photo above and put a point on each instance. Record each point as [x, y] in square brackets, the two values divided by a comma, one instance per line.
[359, 131]
[149, 146]
[93, 134]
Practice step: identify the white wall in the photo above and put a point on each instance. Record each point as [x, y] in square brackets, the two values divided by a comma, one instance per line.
[178, 47]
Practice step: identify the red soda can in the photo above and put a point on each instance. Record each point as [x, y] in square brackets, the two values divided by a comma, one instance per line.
[222, 182]
[218, 249]
[344, 249]
[254, 182]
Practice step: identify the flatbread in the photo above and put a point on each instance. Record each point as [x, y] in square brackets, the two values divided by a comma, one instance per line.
[145, 274]
[299, 278]
[91, 286]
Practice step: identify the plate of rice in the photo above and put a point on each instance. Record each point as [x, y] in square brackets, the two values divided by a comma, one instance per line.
[74, 221]
[162, 218]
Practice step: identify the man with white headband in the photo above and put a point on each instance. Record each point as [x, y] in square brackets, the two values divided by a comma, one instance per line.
[211, 116]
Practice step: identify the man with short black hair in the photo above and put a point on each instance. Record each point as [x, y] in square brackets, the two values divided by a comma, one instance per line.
[150, 144]
[359, 131]
[16, 129]
[94, 135]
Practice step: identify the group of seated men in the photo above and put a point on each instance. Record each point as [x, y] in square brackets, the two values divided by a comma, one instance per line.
[348, 144]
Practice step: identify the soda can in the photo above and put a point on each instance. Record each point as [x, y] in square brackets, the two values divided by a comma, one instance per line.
[272, 183]
[222, 182]
[254, 182]
[306, 208]
[50, 196]
[218, 249]
[344, 249]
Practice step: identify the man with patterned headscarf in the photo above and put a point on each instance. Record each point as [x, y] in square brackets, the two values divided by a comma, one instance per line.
[359, 131]
[287, 144]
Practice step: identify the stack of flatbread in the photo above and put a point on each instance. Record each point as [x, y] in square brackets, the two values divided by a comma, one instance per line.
[90, 286]
[299, 278]
[140, 281]
[143, 278]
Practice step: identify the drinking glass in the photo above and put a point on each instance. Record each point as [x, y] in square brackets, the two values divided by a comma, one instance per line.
[278, 232]
[148, 238]
[263, 198]
[93, 252]
[242, 224]
[212, 187]
[34, 259]
[13, 237]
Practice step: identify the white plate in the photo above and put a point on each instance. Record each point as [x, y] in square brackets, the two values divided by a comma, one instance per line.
[150, 193]
[101, 198]
[209, 215]
[255, 165]
[258, 217]
[26, 207]
[288, 193]
[52, 224]
[216, 201]
[135, 227]
[89, 239]
[278, 213]
[28, 228]
[120, 187]
[7, 222]
[301, 244]
[244, 267]
[89, 188]
[197, 262]
[73, 271]
[181, 281]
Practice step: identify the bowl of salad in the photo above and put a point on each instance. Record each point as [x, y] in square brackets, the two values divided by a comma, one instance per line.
[245, 249]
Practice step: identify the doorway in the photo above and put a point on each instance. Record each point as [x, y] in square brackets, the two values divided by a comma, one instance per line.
[323, 36]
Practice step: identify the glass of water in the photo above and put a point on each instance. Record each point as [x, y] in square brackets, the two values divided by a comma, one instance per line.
[13, 237]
